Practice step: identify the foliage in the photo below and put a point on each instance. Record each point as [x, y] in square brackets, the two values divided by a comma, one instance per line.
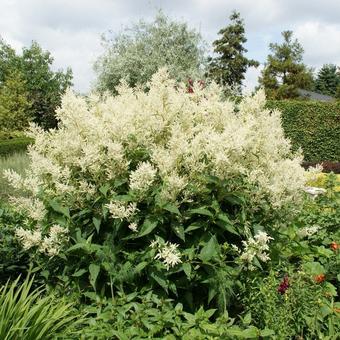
[305, 309]
[169, 190]
[230, 64]
[15, 103]
[145, 315]
[45, 87]
[14, 145]
[139, 51]
[328, 80]
[38, 88]
[300, 295]
[12, 257]
[25, 314]
[312, 126]
[284, 72]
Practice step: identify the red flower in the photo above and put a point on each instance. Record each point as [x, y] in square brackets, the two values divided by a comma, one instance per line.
[334, 246]
[283, 286]
[319, 278]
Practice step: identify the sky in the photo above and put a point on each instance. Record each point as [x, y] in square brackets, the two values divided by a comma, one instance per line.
[71, 29]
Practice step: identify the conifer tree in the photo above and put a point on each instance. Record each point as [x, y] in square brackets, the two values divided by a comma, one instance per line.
[328, 80]
[284, 72]
[229, 66]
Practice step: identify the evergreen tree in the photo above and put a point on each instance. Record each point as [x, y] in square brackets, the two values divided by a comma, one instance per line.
[328, 80]
[284, 73]
[228, 68]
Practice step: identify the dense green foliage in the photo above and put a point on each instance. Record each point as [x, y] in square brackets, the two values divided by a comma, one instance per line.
[15, 103]
[11, 146]
[136, 53]
[228, 68]
[328, 80]
[284, 72]
[313, 126]
[26, 314]
[29, 88]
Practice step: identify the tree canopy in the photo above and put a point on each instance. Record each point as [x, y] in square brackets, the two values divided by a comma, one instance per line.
[229, 66]
[328, 80]
[31, 70]
[284, 72]
[138, 51]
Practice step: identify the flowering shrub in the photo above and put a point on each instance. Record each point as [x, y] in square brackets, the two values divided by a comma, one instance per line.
[166, 189]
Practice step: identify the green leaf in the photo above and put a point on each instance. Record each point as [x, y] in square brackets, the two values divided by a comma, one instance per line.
[79, 272]
[179, 231]
[250, 333]
[187, 269]
[96, 222]
[94, 272]
[247, 319]
[172, 208]
[212, 293]
[147, 227]
[209, 250]
[267, 332]
[60, 208]
[104, 189]
[160, 279]
[201, 211]
[193, 226]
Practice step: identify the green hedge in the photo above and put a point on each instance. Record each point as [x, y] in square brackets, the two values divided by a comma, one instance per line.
[313, 126]
[10, 146]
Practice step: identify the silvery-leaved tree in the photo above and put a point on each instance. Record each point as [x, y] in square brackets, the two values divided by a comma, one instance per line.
[137, 52]
[166, 189]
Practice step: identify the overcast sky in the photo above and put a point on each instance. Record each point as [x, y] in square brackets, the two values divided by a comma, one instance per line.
[71, 29]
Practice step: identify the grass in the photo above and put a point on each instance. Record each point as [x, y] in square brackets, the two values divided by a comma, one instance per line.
[18, 162]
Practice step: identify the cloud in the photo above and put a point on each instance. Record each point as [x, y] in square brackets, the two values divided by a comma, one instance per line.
[321, 42]
[71, 29]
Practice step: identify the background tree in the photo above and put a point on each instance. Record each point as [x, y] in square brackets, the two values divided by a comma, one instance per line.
[328, 80]
[32, 71]
[230, 65]
[284, 72]
[15, 105]
[45, 86]
[139, 51]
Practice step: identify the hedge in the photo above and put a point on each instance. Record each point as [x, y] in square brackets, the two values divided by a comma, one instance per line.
[314, 126]
[10, 146]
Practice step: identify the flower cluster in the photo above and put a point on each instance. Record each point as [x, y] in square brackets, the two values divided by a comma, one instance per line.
[164, 139]
[49, 244]
[256, 247]
[308, 231]
[122, 210]
[168, 253]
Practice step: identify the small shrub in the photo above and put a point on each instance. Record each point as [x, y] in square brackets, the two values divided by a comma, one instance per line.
[14, 145]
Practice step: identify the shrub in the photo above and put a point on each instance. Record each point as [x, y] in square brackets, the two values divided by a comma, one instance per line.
[168, 190]
[25, 314]
[13, 258]
[148, 316]
[10, 146]
[313, 126]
